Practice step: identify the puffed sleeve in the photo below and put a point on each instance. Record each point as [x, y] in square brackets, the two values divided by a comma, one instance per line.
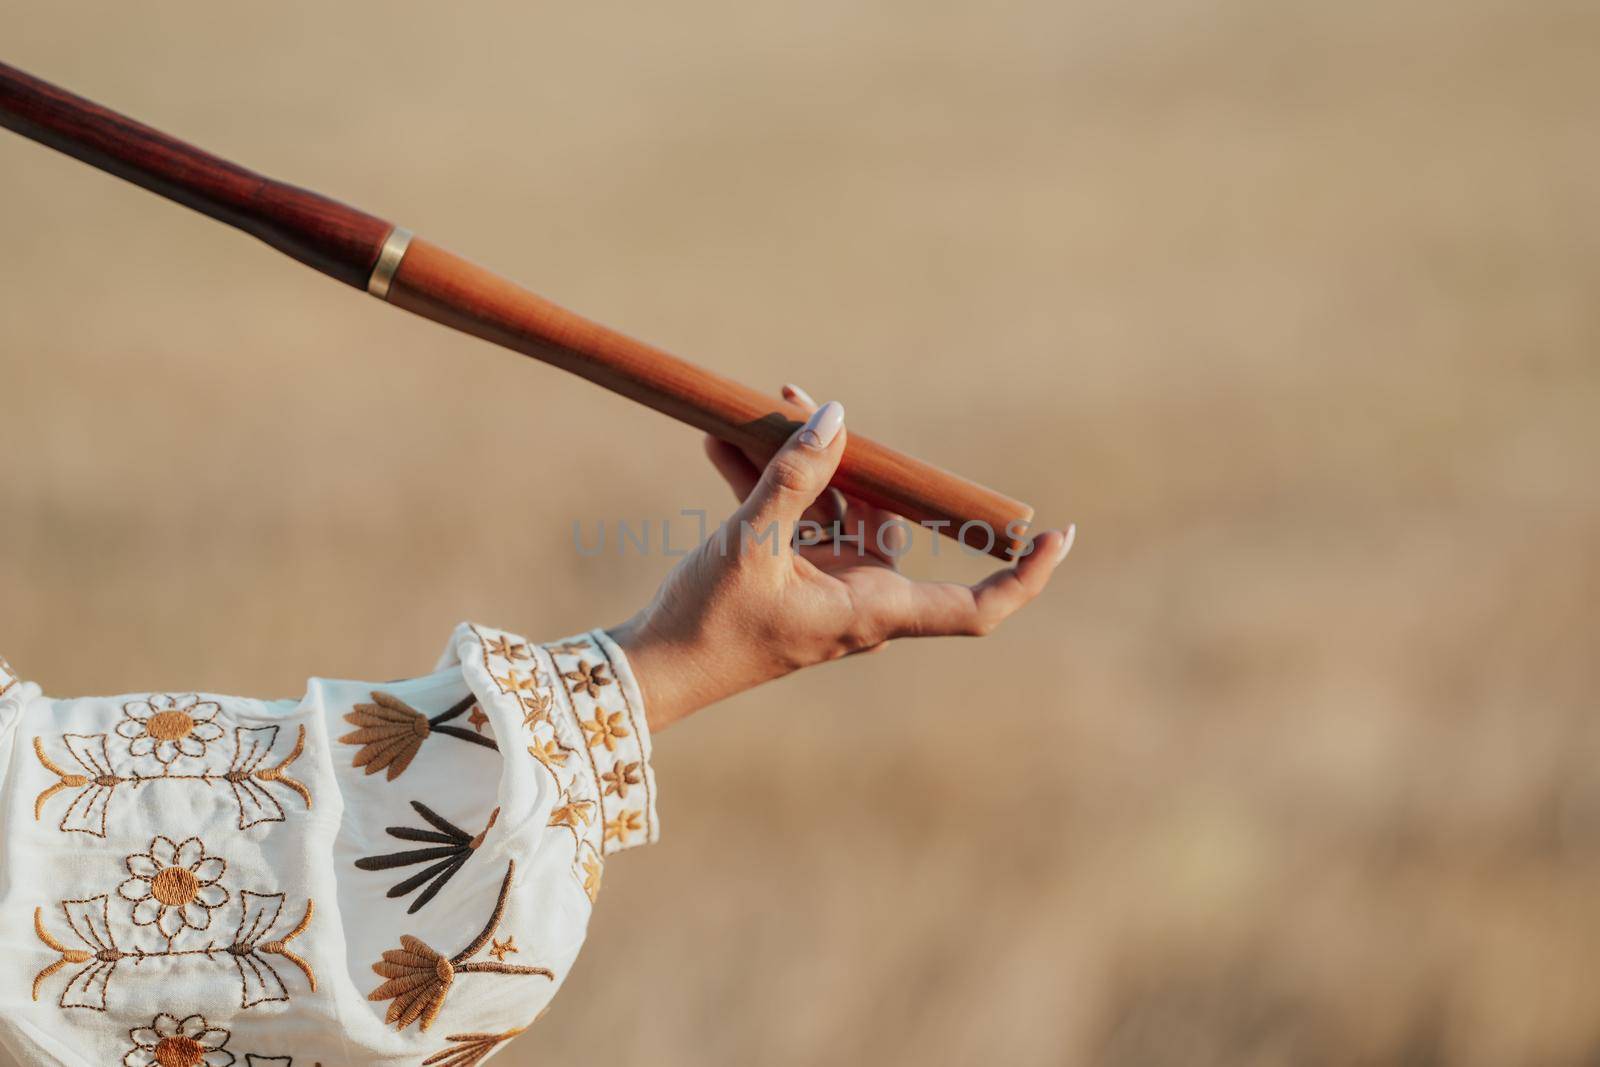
[581, 756]
[480, 805]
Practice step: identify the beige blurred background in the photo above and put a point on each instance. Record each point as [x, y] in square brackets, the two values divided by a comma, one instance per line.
[1292, 307]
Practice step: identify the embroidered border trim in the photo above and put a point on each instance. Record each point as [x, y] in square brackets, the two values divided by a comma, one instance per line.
[615, 739]
[524, 672]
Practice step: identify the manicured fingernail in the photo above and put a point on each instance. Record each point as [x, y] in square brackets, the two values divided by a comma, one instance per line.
[794, 392]
[1066, 542]
[823, 425]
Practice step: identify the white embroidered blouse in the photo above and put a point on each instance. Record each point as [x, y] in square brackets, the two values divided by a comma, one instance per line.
[378, 874]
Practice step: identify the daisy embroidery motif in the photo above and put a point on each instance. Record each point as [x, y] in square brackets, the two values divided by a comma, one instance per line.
[174, 885]
[172, 1042]
[168, 727]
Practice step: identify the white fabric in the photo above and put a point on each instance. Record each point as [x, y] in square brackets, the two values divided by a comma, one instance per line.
[192, 860]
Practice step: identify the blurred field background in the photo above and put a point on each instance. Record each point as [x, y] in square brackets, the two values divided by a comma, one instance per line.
[1292, 307]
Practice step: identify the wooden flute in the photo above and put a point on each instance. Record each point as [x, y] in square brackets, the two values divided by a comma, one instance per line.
[423, 278]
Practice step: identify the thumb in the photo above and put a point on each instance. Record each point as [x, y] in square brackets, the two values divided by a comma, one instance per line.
[797, 474]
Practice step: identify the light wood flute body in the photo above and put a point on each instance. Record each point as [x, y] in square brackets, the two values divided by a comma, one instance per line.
[363, 251]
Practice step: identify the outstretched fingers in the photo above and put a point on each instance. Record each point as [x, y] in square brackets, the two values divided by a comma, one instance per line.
[939, 609]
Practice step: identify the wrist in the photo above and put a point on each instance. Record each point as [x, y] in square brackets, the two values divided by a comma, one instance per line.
[675, 674]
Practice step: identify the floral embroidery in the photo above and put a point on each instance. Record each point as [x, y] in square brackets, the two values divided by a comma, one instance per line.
[245, 776]
[170, 726]
[449, 849]
[623, 826]
[499, 949]
[390, 732]
[518, 682]
[572, 814]
[506, 648]
[174, 886]
[620, 777]
[578, 796]
[588, 678]
[90, 922]
[592, 871]
[473, 1049]
[605, 794]
[604, 729]
[535, 708]
[172, 1042]
[550, 753]
[478, 719]
[419, 978]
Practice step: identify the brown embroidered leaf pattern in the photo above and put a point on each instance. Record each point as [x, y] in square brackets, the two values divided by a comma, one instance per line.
[391, 732]
[448, 848]
[419, 978]
[471, 1049]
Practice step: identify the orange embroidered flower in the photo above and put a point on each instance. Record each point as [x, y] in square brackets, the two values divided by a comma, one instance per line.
[620, 777]
[535, 708]
[500, 949]
[573, 814]
[592, 870]
[473, 1049]
[507, 649]
[570, 648]
[517, 682]
[551, 754]
[588, 678]
[172, 1042]
[170, 726]
[174, 886]
[604, 729]
[623, 826]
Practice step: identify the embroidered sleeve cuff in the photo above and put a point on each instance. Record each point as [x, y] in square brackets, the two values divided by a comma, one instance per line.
[604, 700]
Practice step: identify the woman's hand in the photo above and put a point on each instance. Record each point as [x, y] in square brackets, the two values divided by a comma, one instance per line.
[740, 610]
